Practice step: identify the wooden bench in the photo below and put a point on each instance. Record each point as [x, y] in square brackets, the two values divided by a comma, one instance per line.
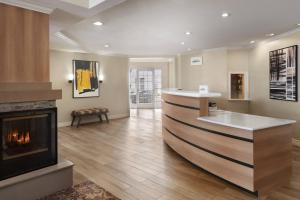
[89, 112]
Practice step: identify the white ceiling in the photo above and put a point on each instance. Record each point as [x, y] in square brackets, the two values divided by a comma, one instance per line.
[156, 27]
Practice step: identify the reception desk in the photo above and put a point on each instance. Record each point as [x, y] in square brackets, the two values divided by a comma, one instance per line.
[250, 151]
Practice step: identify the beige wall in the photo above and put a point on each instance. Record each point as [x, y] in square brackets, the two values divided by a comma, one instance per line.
[113, 90]
[238, 60]
[261, 104]
[214, 73]
[255, 61]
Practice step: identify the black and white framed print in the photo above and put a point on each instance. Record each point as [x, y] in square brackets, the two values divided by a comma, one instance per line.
[283, 74]
[86, 80]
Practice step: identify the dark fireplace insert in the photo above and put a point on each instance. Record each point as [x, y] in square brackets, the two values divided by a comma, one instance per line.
[28, 141]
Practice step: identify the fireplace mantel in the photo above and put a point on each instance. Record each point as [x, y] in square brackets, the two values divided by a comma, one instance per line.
[28, 92]
[24, 56]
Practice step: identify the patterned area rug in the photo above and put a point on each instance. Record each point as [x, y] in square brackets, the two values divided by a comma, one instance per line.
[83, 191]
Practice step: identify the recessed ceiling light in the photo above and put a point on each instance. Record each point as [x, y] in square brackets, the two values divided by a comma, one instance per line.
[252, 42]
[98, 23]
[188, 33]
[298, 24]
[225, 14]
[182, 43]
[270, 34]
[106, 45]
[189, 49]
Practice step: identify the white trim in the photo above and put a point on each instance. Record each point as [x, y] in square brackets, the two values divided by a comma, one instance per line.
[296, 142]
[28, 6]
[63, 124]
[93, 3]
[82, 3]
[119, 116]
[276, 37]
[68, 50]
[65, 38]
[116, 116]
[202, 51]
[85, 3]
[285, 34]
[152, 59]
[246, 86]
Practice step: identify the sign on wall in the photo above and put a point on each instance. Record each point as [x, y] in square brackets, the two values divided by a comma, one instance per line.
[283, 74]
[86, 80]
[196, 61]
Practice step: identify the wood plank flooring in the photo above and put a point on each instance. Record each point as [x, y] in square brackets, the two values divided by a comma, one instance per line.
[129, 158]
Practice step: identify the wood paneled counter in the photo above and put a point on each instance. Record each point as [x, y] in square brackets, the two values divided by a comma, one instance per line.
[253, 152]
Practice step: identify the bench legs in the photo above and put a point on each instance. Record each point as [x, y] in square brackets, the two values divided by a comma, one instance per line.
[100, 117]
[73, 120]
[106, 117]
[79, 119]
[78, 123]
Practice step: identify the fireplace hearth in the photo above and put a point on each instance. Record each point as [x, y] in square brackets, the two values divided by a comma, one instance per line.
[28, 141]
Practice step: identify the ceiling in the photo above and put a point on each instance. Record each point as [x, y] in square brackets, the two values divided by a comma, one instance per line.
[157, 27]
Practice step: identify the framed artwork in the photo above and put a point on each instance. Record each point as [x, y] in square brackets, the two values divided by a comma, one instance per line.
[86, 80]
[196, 61]
[284, 74]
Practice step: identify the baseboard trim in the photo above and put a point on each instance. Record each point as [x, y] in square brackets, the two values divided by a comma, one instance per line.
[296, 142]
[119, 116]
[116, 116]
[63, 124]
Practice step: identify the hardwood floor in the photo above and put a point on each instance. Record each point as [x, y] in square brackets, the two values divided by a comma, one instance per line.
[129, 158]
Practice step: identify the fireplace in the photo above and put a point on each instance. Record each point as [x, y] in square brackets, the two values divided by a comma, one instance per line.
[28, 141]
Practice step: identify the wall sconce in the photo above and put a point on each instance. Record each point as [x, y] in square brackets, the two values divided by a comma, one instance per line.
[101, 77]
[70, 78]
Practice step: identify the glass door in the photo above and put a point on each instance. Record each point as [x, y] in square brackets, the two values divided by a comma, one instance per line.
[145, 88]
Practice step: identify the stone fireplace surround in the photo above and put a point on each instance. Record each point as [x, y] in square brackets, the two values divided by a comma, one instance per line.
[34, 145]
[21, 106]
[41, 182]
[23, 96]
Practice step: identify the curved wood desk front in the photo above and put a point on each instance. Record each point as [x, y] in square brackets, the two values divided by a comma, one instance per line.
[255, 157]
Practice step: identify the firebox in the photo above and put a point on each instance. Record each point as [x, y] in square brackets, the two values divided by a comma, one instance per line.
[28, 141]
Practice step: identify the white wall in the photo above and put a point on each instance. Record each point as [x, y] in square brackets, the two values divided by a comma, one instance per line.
[113, 90]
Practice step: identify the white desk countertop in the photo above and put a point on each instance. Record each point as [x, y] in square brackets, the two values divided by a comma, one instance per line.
[185, 93]
[243, 121]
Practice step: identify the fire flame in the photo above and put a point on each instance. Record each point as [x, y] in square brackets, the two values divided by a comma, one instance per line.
[15, 137]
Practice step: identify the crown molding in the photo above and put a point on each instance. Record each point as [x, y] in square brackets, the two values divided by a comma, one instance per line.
[274, 38]
[85, 3]
[282, 35]
[151, 59]
[28, 6]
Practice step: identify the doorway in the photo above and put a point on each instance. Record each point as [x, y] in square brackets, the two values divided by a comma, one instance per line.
[145, 86]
